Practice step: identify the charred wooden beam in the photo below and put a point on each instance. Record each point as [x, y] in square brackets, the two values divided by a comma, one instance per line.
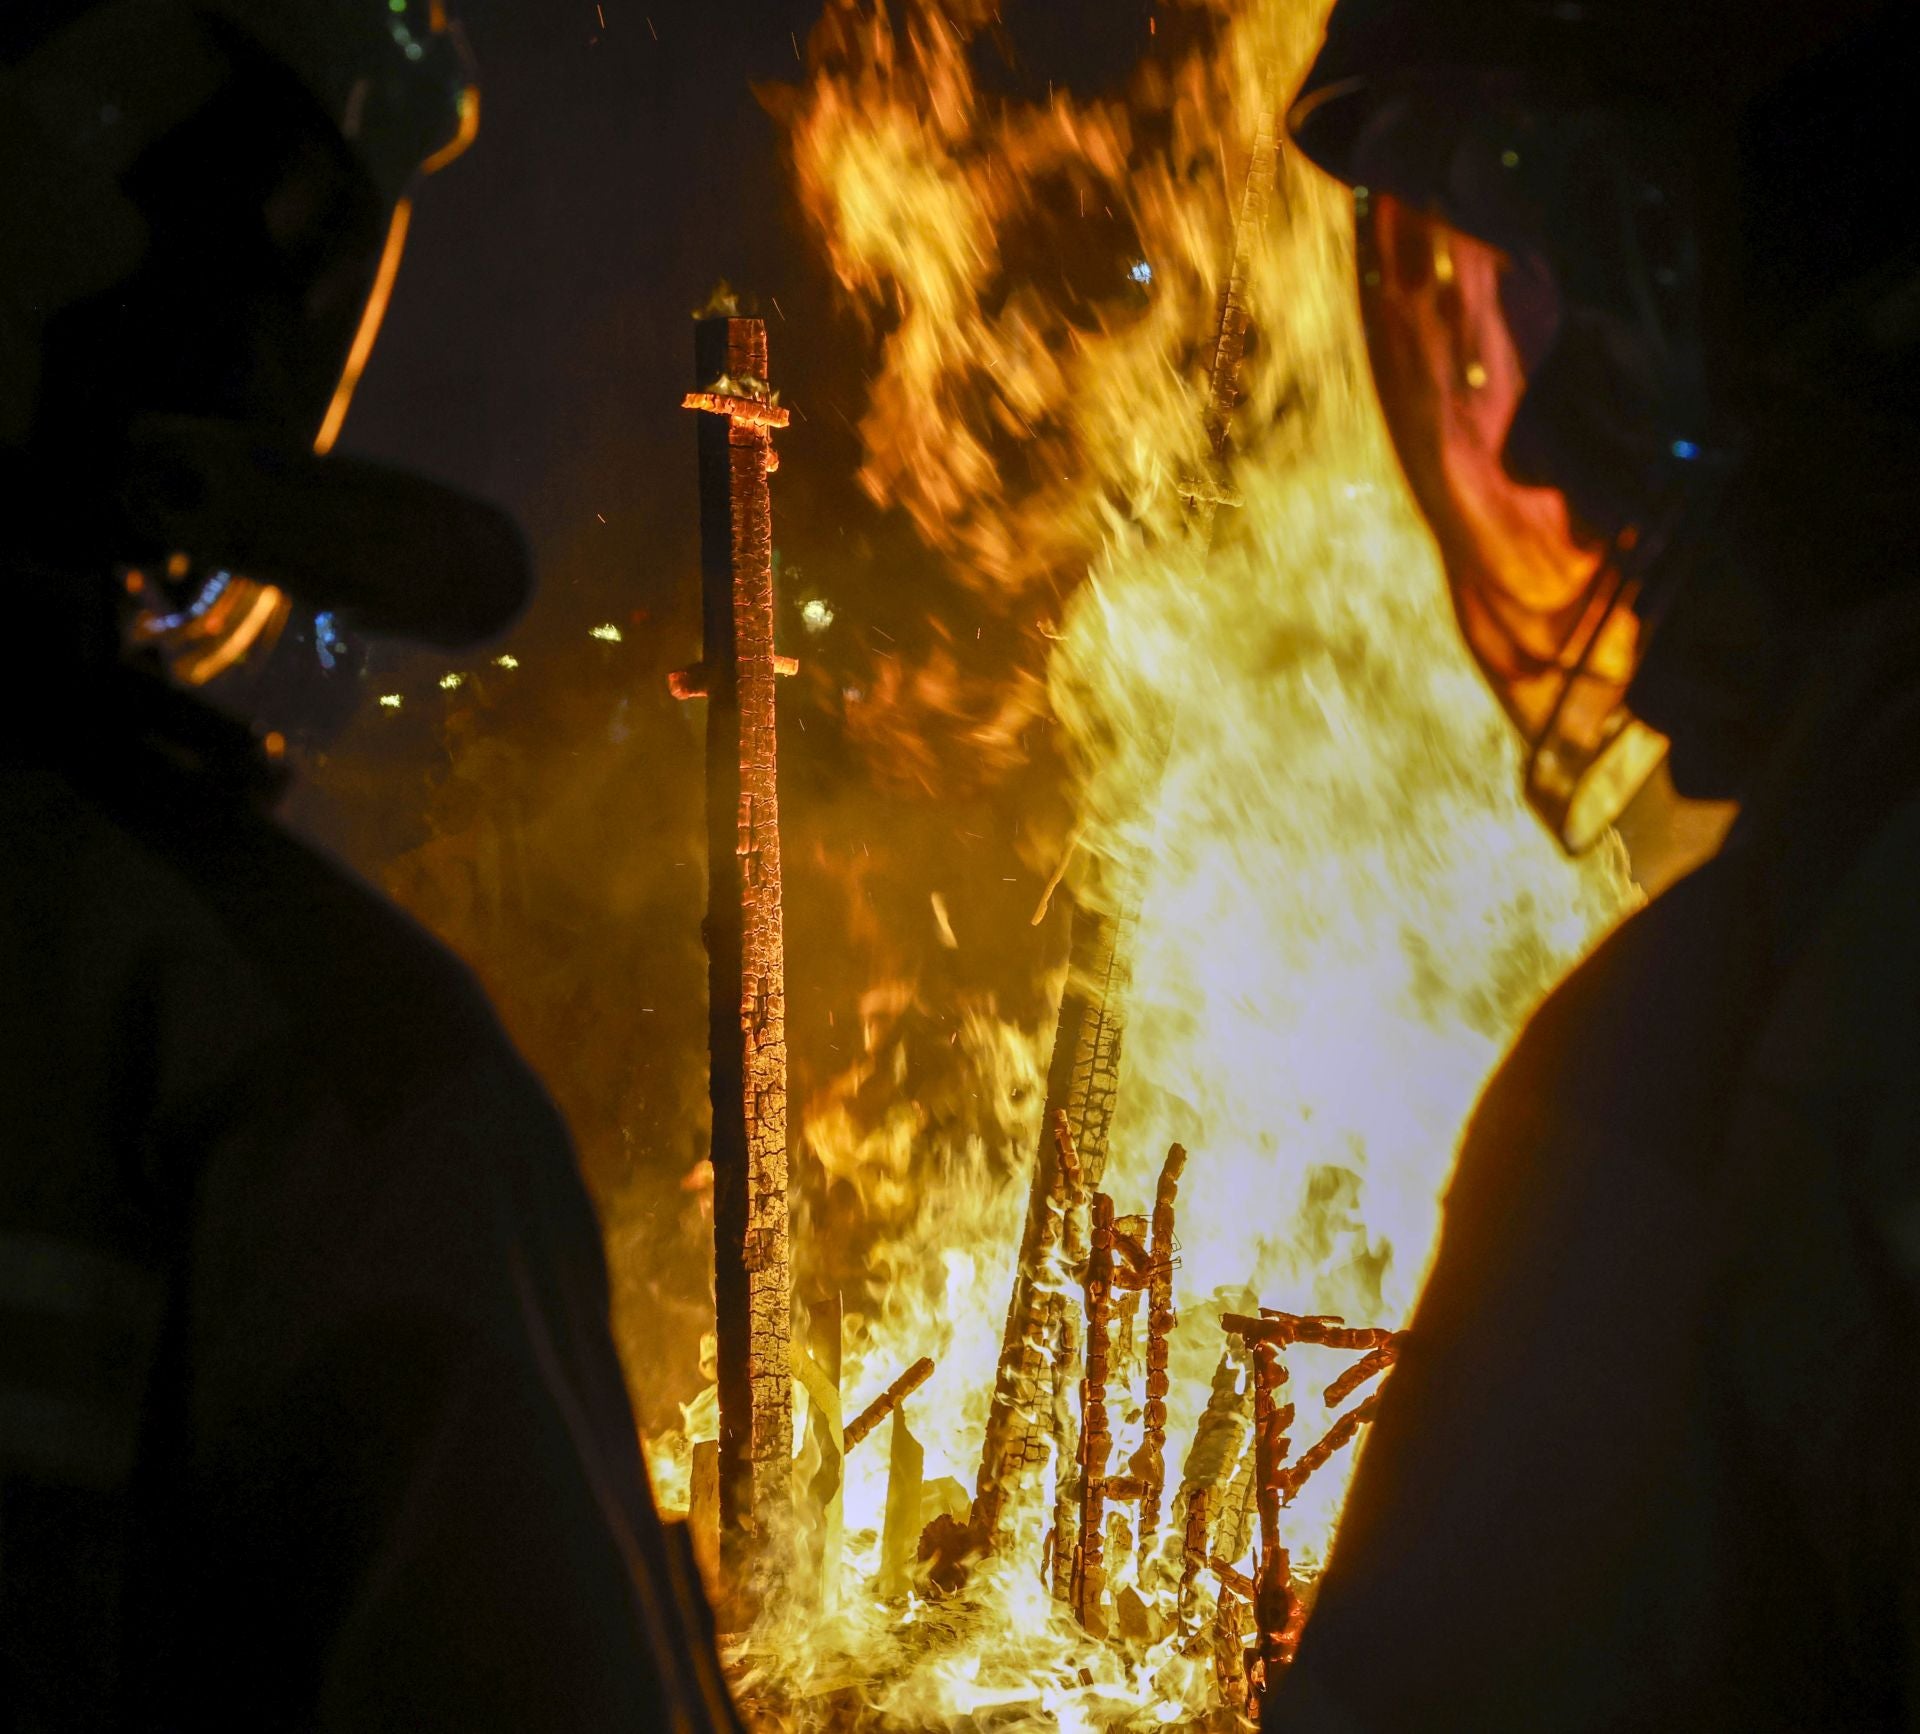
[883, 1405]
[1229, 1645]
[1340, 1433]
[1279, 1616]
[1239, 1507]
[1195, 1538]
[1284, 1328]
[1374, 1361]
[1015, 1439]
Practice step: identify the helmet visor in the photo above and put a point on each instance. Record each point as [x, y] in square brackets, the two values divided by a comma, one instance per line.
[1455, 326]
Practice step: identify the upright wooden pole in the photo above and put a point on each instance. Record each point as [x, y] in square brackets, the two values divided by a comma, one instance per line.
[746, 979]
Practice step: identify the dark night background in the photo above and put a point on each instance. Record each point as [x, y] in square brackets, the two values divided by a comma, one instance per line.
[546, 819]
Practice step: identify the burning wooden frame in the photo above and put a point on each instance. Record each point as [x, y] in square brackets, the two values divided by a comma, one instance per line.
[1278, 1612]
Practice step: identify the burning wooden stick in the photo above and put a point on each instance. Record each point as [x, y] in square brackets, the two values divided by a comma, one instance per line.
[1196, 1533]
[1236, 1505]
[1283, 1328]
[1279, 1616]
[1089, 1560]
[1375, 1361]
[746, 411]
[1294, 1477]
[1230, 1644]
[1150, 1461]
[883, 1405]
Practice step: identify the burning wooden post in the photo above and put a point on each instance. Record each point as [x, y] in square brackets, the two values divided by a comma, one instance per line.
[1015, 1440]
[1329, 1333]
[1083, 1081]
[746, 981]
[1150, 1461]
[1070, 1195]
[1276, 1609]
[1089, 1559]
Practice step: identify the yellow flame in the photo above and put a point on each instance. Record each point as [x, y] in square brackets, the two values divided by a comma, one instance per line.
[1346, 910]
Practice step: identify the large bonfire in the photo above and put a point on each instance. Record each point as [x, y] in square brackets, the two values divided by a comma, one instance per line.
[1290, 786]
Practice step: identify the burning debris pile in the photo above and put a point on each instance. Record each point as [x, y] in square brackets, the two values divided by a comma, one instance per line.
[1303, 887]
[1182, 1596]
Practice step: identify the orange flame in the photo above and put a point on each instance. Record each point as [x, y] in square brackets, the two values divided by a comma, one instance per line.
[1348, 910]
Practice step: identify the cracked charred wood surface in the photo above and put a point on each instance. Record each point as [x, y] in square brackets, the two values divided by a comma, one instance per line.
[753, 1285]
[1196, 1537]
[1230, 1646]
[1096, 1441]
[1240, 1508]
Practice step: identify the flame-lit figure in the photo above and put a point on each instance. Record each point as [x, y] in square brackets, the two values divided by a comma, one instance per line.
[310, 1410]
[1628, 275]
